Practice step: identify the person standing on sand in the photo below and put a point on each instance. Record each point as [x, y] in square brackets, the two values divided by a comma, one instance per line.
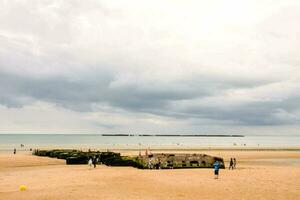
[15, 150]
[94, 162]
[90, 163]
[231, 164]
[216, 169]
[234, 163]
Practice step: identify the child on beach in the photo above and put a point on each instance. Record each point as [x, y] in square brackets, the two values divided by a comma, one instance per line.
[216, 169]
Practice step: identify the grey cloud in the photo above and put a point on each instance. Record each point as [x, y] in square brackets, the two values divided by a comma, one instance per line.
[80, 94]
[46, 49]
[256, 113]
[147, 97]
[76, 95]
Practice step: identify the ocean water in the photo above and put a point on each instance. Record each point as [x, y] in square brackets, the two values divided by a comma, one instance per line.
[10, 141]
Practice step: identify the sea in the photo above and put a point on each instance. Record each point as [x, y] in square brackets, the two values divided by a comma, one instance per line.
[10, 141]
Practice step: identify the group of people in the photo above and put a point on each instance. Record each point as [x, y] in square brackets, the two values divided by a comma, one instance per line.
[22, 146]
[152, 165]
[93, 162]
[232, 163]
[216, 165]
[15, 150]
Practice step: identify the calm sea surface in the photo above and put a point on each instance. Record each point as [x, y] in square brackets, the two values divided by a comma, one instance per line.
[9, 141]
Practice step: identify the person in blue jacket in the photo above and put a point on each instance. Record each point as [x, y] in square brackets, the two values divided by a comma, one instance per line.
[216, 169]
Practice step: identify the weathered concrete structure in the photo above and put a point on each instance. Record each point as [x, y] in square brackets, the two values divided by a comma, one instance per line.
[166, 161]
[153, 161]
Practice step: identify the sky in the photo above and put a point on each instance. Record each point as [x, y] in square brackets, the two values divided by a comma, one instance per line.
[161, 66]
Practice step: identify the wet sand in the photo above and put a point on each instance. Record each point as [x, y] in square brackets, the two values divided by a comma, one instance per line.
[256, 177]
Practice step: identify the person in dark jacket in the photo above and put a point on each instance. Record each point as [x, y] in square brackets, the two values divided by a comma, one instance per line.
[94, 161]
[234, 163]
[231, 164]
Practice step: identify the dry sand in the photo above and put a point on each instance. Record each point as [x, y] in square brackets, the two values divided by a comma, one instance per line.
[256, 177]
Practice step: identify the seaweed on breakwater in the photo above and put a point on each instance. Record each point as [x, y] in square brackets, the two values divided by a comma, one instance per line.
[74, 157]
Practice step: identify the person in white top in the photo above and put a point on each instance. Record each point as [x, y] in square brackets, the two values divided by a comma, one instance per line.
[90, 163]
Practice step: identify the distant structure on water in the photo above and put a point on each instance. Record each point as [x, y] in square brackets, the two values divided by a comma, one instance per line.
[169, 135]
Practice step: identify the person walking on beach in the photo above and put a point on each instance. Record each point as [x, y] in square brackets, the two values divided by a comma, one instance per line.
[234, 163]
[15, 150]
[216, 169]
[231, 164]
[90, 163]
[94, 162]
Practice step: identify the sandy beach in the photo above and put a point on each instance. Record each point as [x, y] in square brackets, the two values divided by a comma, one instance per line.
[259, 175]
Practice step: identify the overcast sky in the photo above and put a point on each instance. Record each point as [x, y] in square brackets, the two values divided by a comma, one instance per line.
[162, 66]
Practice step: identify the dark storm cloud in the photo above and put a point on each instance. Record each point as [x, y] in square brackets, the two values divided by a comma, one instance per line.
[76, 95]
[17, 90]
[147, 97]
[256, 113]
